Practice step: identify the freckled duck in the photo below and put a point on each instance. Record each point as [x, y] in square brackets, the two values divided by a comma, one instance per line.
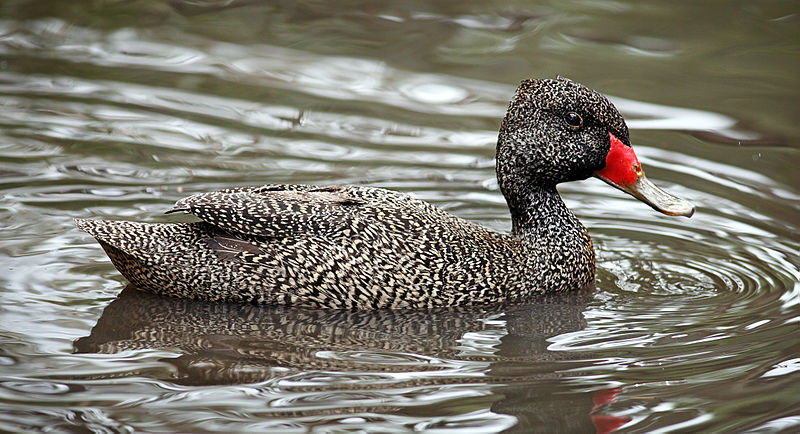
[368, 248]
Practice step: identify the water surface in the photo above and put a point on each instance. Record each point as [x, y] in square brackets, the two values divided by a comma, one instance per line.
[116, 110]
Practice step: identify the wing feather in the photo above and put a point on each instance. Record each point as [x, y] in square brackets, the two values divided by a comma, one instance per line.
[278, 211]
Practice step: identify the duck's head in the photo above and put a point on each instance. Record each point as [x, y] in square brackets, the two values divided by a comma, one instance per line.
[558, 130]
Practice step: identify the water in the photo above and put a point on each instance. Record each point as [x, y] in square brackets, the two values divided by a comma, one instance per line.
[116, 110]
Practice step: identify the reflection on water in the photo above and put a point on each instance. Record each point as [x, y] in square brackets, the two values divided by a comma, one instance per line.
[116, 110]
[314, 362]
[443, 341]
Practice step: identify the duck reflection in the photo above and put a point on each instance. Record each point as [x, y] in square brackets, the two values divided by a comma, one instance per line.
[505, 346]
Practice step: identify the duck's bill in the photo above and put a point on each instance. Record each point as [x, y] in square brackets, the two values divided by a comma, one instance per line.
[622, 170]
[657, 198]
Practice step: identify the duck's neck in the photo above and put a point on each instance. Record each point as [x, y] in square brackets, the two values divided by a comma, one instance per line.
[538, 211]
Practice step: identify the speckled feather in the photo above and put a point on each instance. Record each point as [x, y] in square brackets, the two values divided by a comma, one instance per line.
[367, 248]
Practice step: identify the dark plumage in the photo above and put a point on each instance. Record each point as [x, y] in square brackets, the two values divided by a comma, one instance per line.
[363, 247]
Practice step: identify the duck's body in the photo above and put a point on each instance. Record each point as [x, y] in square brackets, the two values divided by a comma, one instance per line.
[362, 247]
[354, 247]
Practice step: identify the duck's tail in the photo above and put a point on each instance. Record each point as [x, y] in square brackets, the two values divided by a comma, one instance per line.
[127, 244]
[175, 259]
[149, 255]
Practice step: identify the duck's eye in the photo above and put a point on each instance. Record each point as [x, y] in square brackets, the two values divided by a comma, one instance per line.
[573, 119]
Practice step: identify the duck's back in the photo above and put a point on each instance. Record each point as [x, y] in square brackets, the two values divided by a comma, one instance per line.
[316, 246]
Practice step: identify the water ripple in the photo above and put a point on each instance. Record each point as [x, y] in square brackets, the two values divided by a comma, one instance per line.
[119, 123]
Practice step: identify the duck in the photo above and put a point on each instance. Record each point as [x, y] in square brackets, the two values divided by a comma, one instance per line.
[360, 247]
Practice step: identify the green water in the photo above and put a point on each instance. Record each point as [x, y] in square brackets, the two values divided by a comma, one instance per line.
[117, 109]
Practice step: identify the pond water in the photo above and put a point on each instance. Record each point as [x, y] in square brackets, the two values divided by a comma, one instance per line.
[117, 109]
